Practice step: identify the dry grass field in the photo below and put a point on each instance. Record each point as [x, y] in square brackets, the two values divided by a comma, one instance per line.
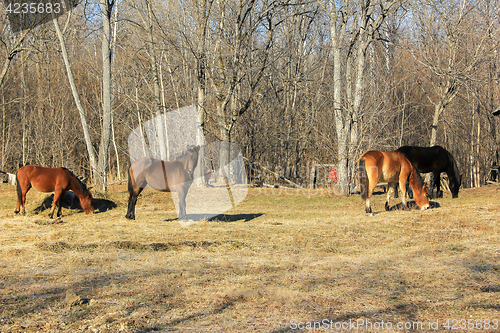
[280, 261]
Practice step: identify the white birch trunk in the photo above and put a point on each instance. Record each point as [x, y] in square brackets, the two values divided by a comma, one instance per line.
[76, 97]
[106, 9]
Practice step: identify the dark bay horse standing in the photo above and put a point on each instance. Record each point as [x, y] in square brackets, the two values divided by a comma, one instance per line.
[434, 159]
[173, 176]
[391, 167]
[57, 180]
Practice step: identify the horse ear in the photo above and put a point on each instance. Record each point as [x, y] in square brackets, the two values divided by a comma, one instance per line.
[197, 148]
[82, 179]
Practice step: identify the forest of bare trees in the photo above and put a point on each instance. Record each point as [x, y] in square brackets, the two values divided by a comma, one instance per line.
[292, 83]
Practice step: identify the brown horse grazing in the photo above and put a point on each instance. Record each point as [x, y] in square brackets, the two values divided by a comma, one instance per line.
[57, 180]
[391, 167]
[173, 176]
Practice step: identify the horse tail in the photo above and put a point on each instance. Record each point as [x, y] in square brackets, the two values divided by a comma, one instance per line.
[132, 197]
[363, 179]
[19, 190]
[130, 186]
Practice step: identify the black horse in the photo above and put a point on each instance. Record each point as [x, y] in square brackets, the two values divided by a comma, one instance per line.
[434, 159]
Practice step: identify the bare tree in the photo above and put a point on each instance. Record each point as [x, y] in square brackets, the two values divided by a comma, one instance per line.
[263, 75]
[106, 12]
[13, 45]
[353, 25]
[76, 95]
[443, 31]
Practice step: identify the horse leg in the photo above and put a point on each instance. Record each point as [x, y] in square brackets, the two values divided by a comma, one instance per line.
[59, 204]
[134, 189]
[371, 187]
[396, 190]
[182, 202]
[409, 190]
[58, 195]
[132, 201]
[402, 186]
[21, 197]
[391, 188]
[56, 202]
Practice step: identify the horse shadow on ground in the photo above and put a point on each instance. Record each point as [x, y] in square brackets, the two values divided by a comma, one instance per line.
[219, 218]
[71, 201]
[235, 217]
[412, 205]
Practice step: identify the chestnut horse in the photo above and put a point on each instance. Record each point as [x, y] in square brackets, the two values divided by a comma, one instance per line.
[173, 176]
[57, 180]
[391, 167]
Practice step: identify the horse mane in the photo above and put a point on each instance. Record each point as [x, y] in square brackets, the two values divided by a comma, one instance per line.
[455, 175]
[418, 177]
[183, 156]
[185, 153]
[83, 186]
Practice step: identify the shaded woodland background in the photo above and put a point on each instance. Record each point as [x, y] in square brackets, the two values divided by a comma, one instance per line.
[292, 83]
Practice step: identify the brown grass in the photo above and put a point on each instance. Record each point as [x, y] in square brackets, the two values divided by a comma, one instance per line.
[279, 258]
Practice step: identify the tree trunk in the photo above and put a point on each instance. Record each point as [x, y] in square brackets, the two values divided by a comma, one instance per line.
[160, 125]
[76, 97]
[342, 120]
[106, 10]
[12, 53]
[438, 109]
[201, 80]
[23, 111]
[113, 137]
[448, 94]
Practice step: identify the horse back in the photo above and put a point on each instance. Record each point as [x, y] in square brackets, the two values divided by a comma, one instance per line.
[160, 175]
[387, 166]
[44, 179]
[427, 159]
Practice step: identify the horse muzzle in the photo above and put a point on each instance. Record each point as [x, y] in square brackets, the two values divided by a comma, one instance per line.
[190, 173]
[425, 207]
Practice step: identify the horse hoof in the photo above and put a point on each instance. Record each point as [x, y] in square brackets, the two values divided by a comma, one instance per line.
[130, 217]
[368, 210]
[16, 212]
[387, 208]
